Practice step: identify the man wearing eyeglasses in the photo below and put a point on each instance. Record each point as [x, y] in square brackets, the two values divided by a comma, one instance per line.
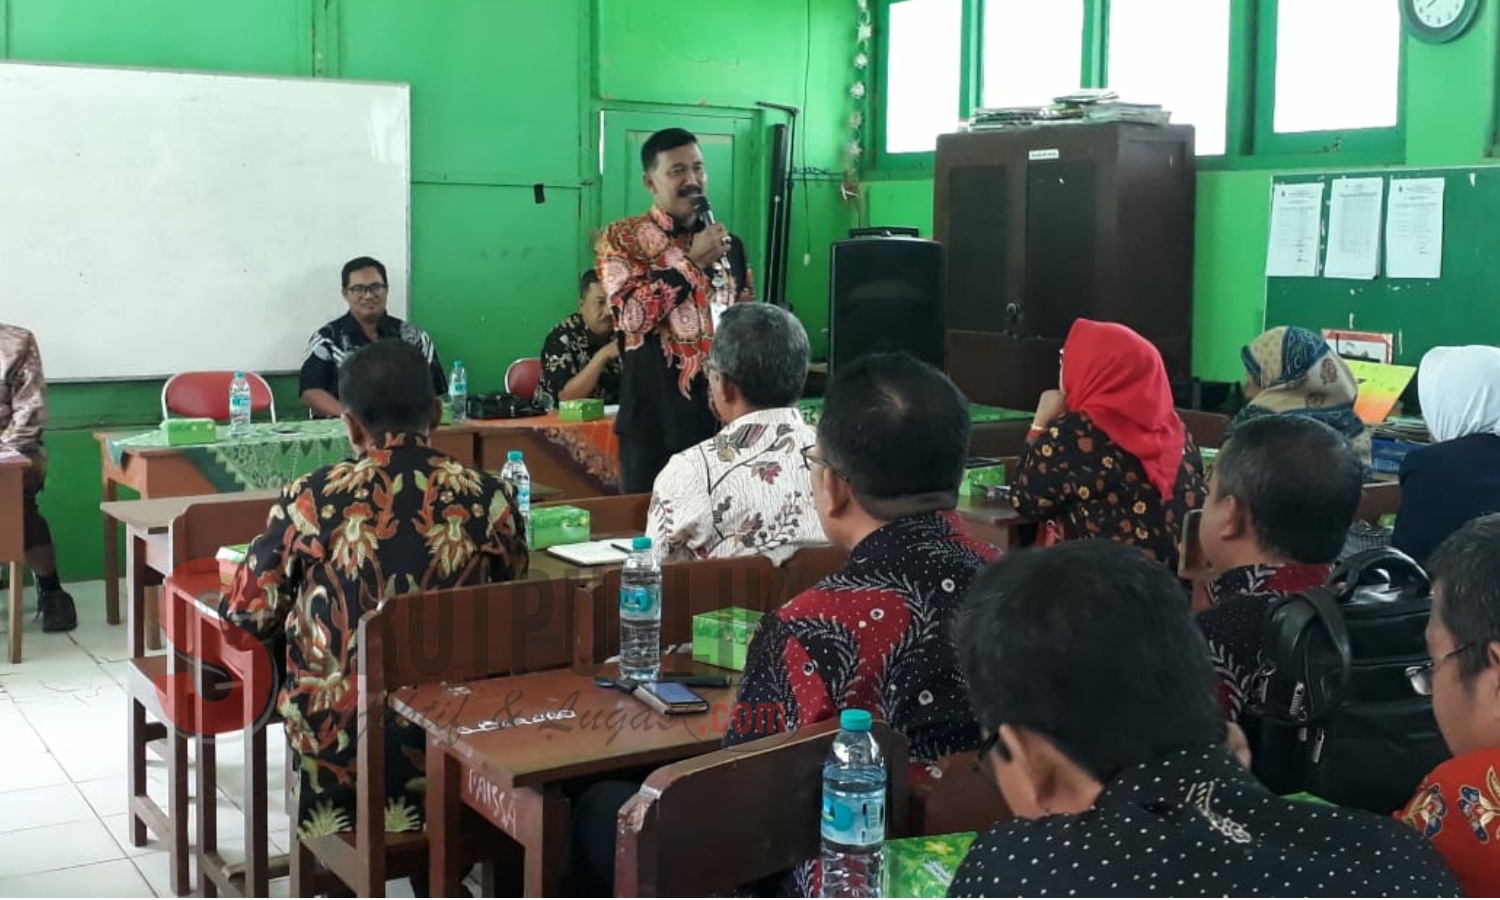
[1281, 497]
[1458, 805]
[365, 288]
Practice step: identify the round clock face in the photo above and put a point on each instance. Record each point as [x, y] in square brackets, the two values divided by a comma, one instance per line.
[1438, 13]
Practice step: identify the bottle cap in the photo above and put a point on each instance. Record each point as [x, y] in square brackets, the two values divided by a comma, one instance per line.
[640, 543]
[855, 720]
[458, 363]
[239, 374]
[514, 456]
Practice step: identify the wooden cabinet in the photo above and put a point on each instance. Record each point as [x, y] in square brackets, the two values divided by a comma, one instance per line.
[1048, 224]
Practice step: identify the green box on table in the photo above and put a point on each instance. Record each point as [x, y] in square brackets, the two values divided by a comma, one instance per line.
[721, 637]
[586, 410]
[553, 525]
[977, 480]
[924, 866]
[186, 432]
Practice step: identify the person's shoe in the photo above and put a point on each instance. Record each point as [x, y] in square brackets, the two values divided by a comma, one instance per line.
[57, 610]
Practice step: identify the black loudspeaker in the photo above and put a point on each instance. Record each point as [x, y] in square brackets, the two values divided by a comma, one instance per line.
[886, 294]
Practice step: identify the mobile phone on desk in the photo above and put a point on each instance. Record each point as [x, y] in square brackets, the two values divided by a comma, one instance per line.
[670, 698]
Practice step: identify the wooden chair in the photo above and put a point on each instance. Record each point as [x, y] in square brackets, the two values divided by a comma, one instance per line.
[1206, 428]
[196, 535]
[688, 588]
[808, 566]
[717, 822]
[1382, 498]
[958, 798]
[610, 516]
[449, 636]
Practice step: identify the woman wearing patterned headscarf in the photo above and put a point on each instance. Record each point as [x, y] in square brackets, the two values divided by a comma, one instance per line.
[1290, 370]
[1457, 478]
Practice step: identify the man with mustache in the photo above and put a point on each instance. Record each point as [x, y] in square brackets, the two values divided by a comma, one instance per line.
[666, 273]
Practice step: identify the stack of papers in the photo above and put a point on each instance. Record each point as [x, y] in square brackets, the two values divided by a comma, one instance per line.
[593, 553]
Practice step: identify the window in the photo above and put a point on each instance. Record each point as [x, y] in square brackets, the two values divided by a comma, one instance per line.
[1032, 51]
[1191, 78]
[1338, 65]
[924, 40]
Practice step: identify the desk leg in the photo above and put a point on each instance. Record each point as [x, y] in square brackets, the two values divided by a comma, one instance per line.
[444, 820]
[111, 553]
[257, 839]
[207, 808]
[17, 610]
[547, 843]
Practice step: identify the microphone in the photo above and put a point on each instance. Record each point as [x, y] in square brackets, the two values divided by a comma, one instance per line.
[704, 210]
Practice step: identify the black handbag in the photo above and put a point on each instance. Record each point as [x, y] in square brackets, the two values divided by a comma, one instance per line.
[501, 406]
[1332, 712]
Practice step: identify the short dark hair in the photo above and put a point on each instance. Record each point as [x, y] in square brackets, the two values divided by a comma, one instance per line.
[1466, 568]
[762, 349]
[387, 386]
[362, 262]
[1091, 645]
[1300, 481]
[588, 279]
[661, 142]
[898, 430]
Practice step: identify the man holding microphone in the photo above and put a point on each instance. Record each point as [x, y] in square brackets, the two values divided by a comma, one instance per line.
[668, 274]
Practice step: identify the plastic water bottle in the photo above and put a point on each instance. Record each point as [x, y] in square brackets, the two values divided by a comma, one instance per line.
[458, 391]
[239, 406]
[853, 810]
[518, 477]
[640, 613]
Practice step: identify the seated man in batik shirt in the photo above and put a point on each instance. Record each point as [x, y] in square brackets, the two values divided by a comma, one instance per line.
[581, 357]
[746, 490]
[401, 517]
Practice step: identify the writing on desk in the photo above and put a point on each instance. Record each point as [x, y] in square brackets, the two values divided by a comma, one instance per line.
[541, 718]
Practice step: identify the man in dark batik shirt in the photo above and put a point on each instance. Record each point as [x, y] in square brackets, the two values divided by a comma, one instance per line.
[668, 274]
[399, 518]
[1281, 497]
[1094, 691]
[892, 442]
[365, 288]
[581, 356]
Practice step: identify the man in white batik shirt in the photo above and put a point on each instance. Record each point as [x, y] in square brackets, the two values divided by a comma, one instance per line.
[747, 490]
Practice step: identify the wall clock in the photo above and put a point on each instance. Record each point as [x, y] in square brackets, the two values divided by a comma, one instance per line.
[1438, 21]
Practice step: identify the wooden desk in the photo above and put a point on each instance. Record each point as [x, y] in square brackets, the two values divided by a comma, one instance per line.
[580, 459]
[513, 775]
[998, 523]
[148, 553]
[13, 542]
[158, 472]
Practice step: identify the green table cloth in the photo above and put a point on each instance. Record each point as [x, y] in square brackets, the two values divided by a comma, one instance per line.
[268, 457]
[812, 409]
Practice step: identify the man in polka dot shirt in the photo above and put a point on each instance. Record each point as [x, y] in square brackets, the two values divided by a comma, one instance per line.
[1102, 731]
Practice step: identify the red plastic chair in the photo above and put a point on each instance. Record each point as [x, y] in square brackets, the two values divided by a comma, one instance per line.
[205, 395]
[522, 378]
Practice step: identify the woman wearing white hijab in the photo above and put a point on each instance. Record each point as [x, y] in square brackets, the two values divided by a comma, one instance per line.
[1457, 478]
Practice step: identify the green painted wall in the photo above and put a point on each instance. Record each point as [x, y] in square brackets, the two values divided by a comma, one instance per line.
[1451, 100]
[504, 96]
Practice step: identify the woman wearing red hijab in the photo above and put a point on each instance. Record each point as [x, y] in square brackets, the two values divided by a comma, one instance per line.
[1108, 456]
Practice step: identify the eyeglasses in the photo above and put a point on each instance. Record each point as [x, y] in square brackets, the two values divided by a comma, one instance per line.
[1421, 676]
[360, 290]
[813, 459]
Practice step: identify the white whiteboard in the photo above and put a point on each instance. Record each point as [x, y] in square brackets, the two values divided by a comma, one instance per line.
[158, 222]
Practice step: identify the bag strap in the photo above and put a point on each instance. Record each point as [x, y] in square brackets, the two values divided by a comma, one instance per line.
[1325, 604]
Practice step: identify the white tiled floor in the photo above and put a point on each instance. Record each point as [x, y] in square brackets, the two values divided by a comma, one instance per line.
[64, 825]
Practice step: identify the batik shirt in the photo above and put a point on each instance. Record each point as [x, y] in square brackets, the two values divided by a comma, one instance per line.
[1239, 601]
[876, 635]
[1075, 477]
[23, 394]
[329, 345]
[402, 518]
[1195, 823]
[1457, 808]
[654, 287]
[745, 491]
[567, 351]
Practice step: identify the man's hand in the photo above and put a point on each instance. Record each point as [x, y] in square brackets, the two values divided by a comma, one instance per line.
[608, 353]
[709, 246]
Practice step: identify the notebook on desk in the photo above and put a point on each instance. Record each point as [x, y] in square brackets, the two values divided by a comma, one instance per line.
[592, 553]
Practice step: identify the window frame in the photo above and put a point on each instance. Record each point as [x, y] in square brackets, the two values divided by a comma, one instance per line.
[1251, 141]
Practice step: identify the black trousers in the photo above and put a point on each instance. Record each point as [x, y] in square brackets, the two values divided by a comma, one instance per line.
[591, 856]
